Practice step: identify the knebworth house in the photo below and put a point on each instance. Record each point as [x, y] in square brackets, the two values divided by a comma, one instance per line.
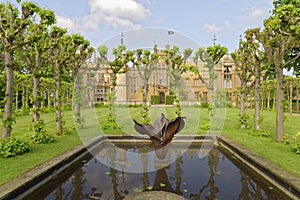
[129, 85]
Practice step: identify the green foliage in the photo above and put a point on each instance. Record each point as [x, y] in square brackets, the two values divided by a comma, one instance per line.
[178, 108]
[40, 135]
[155, 99]
[12, 147]
[9, 122]
[210, 126]
[244, 120]
[169, 100]
[204, 104]
[100, 105]
[261, 133]
[41, 138]
[145, 114]
[111, 123]
[296, 143]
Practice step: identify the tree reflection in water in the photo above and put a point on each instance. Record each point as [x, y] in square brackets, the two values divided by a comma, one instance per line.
[212, 177]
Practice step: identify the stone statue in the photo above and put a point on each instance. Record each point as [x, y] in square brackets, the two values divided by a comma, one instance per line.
[163, 131]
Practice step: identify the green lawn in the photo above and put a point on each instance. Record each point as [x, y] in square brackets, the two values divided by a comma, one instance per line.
[267, 147]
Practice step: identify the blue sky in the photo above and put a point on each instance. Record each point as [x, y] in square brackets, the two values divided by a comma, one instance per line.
[200, 20]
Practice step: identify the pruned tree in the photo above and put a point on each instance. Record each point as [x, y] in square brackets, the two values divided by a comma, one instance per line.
[176, 65]
[210, 56]
[279, 37]
[117, 66]
[79, 57]
[13, 27]
[145, 62]
[242, 67]
[33, 55]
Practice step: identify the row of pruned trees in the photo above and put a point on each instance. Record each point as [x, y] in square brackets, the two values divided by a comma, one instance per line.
[263, 54]
[145, 62]
[31, 44]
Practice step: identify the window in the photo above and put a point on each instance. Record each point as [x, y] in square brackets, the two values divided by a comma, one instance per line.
[205, 96]
[162, 80]
[185, 96]
[196, 97]
[186, 82]
[227, 77]
[196, 82]
[133, 85]
[89, 79]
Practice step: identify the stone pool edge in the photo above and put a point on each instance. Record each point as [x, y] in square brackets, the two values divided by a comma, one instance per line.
[23, 183]
[287, 182]
[27, 181]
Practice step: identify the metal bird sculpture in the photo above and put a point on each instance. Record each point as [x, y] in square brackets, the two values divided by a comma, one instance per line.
[163, 131]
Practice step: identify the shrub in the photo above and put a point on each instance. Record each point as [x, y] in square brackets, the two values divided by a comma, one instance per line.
[261, 133]
[12, 147]
[40, 134]
[169, 100]
[296, 143]
[244, 120]
[204, 104]
[155, 99]
[41, 138]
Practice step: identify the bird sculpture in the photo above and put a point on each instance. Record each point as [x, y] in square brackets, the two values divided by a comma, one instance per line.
[163, 131]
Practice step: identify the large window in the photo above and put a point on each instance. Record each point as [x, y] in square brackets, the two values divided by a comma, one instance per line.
[205, 94]
[196, 82]
[227, 77]
[89, 79]
[133, 85]
[162, 77]
[186, 82]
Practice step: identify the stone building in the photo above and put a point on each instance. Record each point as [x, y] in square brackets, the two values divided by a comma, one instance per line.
[129, 84]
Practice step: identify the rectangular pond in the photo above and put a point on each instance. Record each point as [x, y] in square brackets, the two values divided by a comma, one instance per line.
[199, 172]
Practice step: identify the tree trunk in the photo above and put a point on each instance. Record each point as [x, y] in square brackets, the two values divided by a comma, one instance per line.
[268, 99]
[279, 101]
[257, 100]
[297, 101]
[58, 102]
[36, 87]
[291, 99]
[274, 101]
[36, 97]
[77, 99]
[242, 102]
[9, 93]
[17, 98]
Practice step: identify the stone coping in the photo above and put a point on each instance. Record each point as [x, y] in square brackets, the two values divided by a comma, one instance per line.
[27, 182]
[155, 195]
[282, 179]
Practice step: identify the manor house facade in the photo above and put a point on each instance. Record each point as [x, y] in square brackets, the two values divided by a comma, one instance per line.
[129, 84]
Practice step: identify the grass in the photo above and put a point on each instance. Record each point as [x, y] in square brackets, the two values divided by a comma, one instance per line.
[277, 153]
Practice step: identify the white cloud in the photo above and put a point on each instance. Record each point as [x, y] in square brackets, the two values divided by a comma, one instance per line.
[213, 28]
[255, 14]
[112, 13]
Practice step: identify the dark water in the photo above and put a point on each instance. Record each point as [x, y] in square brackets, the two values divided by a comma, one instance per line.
[215, 176]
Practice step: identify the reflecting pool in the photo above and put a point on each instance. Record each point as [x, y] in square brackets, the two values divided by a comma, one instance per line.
[216, 175]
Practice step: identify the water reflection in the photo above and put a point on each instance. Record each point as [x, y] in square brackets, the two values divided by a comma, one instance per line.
[212, 177]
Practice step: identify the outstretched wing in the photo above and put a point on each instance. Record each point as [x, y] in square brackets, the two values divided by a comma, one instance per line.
[173, 127]
[160, 124]
[144, 129]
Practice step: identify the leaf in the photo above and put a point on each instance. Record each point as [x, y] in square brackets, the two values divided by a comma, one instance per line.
[185, 190]
[218, 172]
[136, 189]
[107, 173]
[149, 187]
[162, 185]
